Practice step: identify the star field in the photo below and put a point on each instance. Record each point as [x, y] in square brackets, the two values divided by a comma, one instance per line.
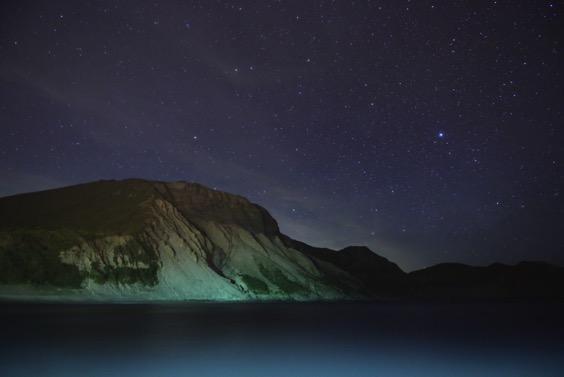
[429, 131]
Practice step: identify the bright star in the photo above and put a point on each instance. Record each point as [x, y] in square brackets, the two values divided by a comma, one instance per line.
[441, 134]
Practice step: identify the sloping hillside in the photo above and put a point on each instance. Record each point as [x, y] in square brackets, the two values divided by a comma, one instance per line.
[153, 240]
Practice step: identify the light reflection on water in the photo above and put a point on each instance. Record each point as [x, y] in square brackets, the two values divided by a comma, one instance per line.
[275, 339]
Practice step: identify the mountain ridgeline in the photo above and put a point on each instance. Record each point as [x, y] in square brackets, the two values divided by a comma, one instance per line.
[143, 240]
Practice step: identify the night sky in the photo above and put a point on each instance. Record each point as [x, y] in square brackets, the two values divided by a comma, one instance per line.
[431, 131]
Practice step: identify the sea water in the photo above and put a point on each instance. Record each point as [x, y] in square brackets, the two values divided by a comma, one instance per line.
[282, 339]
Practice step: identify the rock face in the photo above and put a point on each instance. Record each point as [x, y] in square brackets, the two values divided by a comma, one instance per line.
[143, 240]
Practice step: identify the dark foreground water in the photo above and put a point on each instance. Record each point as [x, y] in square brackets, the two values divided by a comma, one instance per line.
[269, 340]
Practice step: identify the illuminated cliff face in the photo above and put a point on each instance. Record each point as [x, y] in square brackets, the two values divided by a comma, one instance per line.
[152, 240]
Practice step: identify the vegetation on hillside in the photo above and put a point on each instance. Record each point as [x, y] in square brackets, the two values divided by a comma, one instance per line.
[32, 257]
[278, 278]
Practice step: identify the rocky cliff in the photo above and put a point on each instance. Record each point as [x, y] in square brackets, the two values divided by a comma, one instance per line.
[136, 239]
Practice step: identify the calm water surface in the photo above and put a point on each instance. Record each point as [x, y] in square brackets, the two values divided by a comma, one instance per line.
[275, 339]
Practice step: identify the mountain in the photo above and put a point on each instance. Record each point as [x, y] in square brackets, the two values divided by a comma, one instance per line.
[143, 240]
[136, 239]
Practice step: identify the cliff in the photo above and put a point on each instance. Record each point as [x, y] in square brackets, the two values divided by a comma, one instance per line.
[142, 240]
